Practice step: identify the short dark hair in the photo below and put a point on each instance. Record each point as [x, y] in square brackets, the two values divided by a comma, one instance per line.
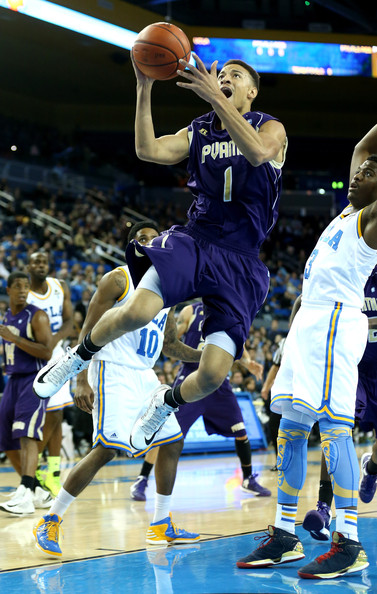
[141, 225]
[14, 276]
[253, 73]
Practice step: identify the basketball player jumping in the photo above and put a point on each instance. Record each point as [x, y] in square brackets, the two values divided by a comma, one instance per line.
[235, 162]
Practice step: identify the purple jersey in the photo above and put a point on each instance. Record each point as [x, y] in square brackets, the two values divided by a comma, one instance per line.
[236, 204]
[16, 360]
[368, 364]
[193, 336]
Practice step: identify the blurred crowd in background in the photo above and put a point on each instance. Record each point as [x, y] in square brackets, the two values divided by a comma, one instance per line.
[106, 214]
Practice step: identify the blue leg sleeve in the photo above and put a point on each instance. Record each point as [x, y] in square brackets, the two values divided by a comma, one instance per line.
[292, 460]
[341, 462]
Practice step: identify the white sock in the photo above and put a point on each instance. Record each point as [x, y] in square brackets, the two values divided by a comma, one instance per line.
[161, 507]
[346, 523]
[285, 517]
[61, 503]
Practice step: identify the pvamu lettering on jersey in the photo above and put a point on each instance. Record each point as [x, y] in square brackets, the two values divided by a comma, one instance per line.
[221, 150]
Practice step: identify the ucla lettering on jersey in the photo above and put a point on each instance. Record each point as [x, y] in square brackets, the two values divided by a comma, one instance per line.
[52, 303]
[340, 264]
[139, 349]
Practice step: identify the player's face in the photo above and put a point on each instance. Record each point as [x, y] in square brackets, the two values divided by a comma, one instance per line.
[363, 186]
[18, 292]
[145, 235]
[237, 85]
[38, 266]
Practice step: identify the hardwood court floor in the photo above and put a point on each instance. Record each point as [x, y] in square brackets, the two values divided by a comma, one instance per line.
[105, 530]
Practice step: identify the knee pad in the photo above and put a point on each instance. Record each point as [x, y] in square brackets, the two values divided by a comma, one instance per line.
[341, 461]
[292, 459]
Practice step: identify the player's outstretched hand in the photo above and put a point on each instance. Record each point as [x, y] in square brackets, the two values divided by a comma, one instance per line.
[141, 78]
[199, 80]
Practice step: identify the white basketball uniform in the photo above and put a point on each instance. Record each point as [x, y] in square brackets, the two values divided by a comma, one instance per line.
[52, 303]
[122, 378]
[318, 375]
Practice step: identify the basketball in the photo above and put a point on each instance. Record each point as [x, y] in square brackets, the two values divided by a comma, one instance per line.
[158, 49]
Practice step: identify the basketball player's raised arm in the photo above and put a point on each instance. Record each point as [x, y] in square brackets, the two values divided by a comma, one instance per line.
[360, 166]
[365, 147]
[173, 347]
[111, 286]
[257, 147]
[166, 150]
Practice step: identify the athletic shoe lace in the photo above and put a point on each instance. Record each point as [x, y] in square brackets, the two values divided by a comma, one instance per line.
[323, 508]
[266, 538]
[335, 548]
[153, 417]
[52, 531]
[58, 373]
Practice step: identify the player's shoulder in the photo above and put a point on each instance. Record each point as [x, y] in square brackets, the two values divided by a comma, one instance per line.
[121, 279]
[204, 120]
[258, 118]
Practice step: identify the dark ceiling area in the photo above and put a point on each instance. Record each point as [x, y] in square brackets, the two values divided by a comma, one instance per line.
[67, 80]
[337, 16]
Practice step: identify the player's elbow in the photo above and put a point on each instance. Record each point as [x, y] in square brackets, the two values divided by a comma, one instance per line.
[143, 153]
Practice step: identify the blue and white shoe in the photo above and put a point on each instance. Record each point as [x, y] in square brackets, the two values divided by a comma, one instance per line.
[166, 532]
[317, 521]
[368, 482]
[47, 535]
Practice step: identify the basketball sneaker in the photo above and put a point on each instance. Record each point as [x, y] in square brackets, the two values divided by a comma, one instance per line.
[47, 534]
[278, 546]
[55, 374]
[20, 503]
[317, 521]
[165, 532]
[345, 556]
[368, 482]
[250, 485]
[52, 482]
[138, 489]
[42, 498]
[148, 425]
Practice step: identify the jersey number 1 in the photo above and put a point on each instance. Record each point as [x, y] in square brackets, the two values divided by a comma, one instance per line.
[228, 184]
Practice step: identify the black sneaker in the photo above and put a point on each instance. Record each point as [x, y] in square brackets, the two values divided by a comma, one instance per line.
[278, 546]
[345, 556]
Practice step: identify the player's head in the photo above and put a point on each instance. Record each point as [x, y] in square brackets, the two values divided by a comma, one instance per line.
[363, 187]
[143, 232]
[239, 82]
[38, 265]
[18, 287]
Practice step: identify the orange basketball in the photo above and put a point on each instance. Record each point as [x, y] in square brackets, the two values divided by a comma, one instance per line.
[158, 49]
